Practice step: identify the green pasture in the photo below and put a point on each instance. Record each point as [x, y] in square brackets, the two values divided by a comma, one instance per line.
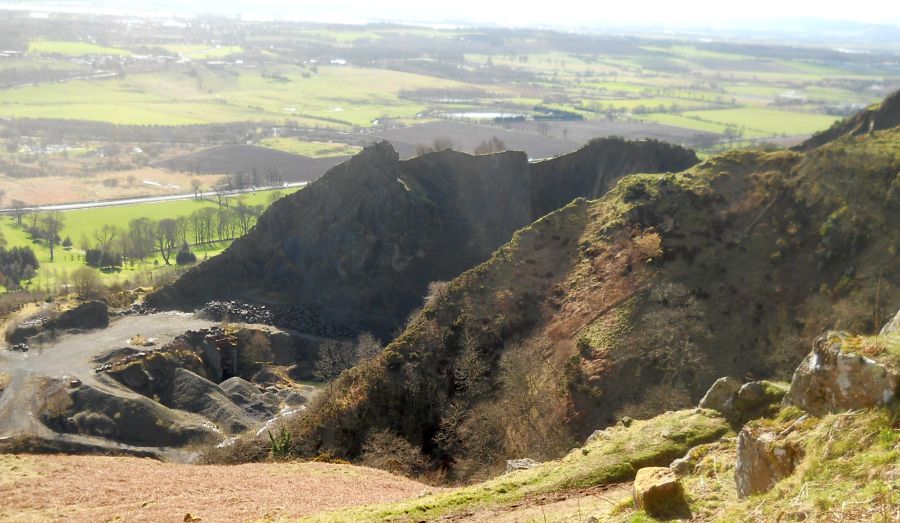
[767, 121]
[84, 222]
[310, 149]
[335, 97]
[72, 48]
[202, 51]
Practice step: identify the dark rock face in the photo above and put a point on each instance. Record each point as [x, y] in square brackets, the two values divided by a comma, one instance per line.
[356, 249]
[88, 315]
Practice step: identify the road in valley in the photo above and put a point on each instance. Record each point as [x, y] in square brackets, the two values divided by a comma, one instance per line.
[148, 199]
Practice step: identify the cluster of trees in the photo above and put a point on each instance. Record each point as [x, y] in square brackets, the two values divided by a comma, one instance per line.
[335, 357]
[17, 264]
[170, 238]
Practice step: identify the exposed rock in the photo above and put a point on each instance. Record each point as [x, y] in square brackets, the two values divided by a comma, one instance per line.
[892, 327]
[721, 395]
[758, 398]
[831, 379]
[520, 464]
[88, 315]
[193, 393]
[397, 226]
[134, 420]
[659, 492]
[239, 390]
[685, 464]
[763, 458]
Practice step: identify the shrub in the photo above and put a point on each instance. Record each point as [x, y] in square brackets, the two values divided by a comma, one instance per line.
[386, 450]
[185, 256]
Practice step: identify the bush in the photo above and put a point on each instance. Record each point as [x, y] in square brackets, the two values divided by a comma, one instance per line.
[185, 256]
[386, 450]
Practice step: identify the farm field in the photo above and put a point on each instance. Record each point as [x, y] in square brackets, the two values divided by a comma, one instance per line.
[72, 48]
[83, 223]
[308, 148]
[49, 190]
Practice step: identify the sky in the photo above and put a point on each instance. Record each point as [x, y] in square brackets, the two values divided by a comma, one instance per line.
[544, 13]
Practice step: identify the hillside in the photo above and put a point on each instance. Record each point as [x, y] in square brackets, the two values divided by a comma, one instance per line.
[358, 247]
[878, 117]
[631, 305]
[100, 488]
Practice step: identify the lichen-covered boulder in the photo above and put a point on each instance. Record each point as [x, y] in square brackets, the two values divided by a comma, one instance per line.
[520, 464]
[721, 395]
[759, 399]
[763, 458]
[892, 327]
[832, 378]
[659, 492]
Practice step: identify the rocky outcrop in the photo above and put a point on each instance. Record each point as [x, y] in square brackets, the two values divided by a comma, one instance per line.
[76, 408]
[763, 458]
[721, 395]
[659, 492]
[741, 403]
[884, 115]
[356, 249]
[833, 377]
[892, 327]
[513, 465]
[88, 315]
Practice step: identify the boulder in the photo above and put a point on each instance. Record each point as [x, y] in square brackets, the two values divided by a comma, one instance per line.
[892, 327]
[832, 379]
[721, 395]
[758, 399]
[520, 464]
[659, 492]
[763, 458]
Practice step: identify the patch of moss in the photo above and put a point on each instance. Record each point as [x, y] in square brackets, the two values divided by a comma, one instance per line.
[607, 460]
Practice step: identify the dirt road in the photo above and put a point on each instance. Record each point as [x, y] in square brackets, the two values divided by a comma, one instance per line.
[71, 357]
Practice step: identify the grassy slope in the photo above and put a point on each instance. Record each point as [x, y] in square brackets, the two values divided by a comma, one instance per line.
[614, 458]
[669, 280]
[850, 472]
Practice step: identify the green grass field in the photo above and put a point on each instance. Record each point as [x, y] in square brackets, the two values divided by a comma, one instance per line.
[72, 48]
[311, 149]
[202, 51]
[339, 97]
[767, 121]
[84, 222]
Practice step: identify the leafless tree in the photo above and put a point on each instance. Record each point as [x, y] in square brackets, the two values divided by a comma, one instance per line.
[50, 225]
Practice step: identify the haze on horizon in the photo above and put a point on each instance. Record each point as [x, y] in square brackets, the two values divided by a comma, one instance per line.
[707, 14]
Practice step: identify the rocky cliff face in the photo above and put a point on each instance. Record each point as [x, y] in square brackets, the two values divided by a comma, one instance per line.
[884, 115]
[359, 246]
[634, 304]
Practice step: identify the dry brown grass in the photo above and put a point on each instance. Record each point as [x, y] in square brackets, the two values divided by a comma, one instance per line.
[97, 488]
[50, 190]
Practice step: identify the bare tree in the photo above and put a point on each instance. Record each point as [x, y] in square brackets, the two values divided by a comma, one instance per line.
[494, 145]
[50, 225]
[367, 347]
[166, 238]
[334, 358]
[86, 282]
[197, 187]
[18, 210]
